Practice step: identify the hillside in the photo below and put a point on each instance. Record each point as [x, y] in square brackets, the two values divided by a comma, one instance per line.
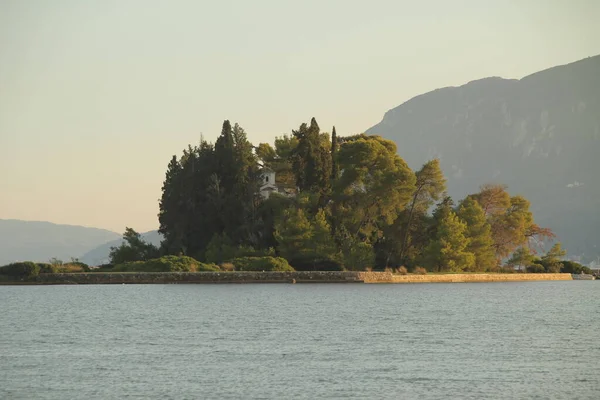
[540, 135]
[40, 241]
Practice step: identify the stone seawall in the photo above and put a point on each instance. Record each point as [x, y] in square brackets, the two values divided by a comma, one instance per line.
[464, 278]
[97, 278]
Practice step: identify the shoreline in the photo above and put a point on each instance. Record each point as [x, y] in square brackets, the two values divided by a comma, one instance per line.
[115, 278]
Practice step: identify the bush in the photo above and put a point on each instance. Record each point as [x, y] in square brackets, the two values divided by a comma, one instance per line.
[318, 264]
[70, 268]
[20, 270]
[420, 271]
[47, 268]
[81, 265]
[166, 264]
[553, 268]
[402, 271]
[571, 267]
[536, 269]
[227, 267]
[261, 264]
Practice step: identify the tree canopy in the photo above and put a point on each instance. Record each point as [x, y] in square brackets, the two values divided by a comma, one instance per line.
[350, 202]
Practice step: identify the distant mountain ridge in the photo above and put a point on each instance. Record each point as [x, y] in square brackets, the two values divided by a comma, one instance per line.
[39, 241]
[540, 135]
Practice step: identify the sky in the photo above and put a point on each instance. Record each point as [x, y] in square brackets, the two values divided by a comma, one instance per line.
[97, 95]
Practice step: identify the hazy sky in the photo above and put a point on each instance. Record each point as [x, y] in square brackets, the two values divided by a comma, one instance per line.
[96, 95]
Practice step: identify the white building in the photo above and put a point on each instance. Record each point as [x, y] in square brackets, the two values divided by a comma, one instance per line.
[269, 185]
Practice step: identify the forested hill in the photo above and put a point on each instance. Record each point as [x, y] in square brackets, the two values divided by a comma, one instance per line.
[539, 135]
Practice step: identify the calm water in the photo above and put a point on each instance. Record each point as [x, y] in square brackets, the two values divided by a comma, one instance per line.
[469, 341]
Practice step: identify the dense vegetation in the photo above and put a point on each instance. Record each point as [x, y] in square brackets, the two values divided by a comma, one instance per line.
[344, 203]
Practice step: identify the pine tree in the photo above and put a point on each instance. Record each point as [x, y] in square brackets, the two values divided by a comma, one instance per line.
[521, 258]
[479, 233]
[429, 187]
[448, 250]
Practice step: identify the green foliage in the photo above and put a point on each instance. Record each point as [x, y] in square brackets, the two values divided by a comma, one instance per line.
[306, 243]
[536, 269]
[219, 249]
[20, 270]
[133, 249]
[521, 258]
[374, 186]
[356, 205]
[311, 159]
[429, 187]
[261, 264]
[447, 251]
[571, 267]
[166, 264]
[47, 268]
[479, 233]
[211, 190]
[358, 256]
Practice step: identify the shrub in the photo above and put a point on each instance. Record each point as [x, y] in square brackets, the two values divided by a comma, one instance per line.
[47, 268]
[402, 271]
[571, 267]
[165, 264]
[20, 270]
[70, 268]
[227, 267]
[553, 268]
[420, 271]
[536, 269]
[261, 264]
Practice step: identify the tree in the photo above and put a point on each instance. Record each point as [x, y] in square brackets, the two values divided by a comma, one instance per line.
[311, 159]
[293, 235]
[306, 242]
[493, 199]
[509, 217]
[171, 209]
[509, 229]
[429, 187]
[335, 171]
[133, 249]
[552, 259]
[266, 155]
[374, 186]
[479, 233]
[448, 250]
[522, 257]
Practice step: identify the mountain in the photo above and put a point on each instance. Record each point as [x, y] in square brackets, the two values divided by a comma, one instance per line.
[539, 135]
[40, 241]
[99, 255]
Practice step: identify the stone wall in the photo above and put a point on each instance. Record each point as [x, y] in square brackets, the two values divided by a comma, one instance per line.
[95, 278]
[479, 278]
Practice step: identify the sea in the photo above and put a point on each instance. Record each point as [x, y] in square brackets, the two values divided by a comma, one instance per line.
[508, 340]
